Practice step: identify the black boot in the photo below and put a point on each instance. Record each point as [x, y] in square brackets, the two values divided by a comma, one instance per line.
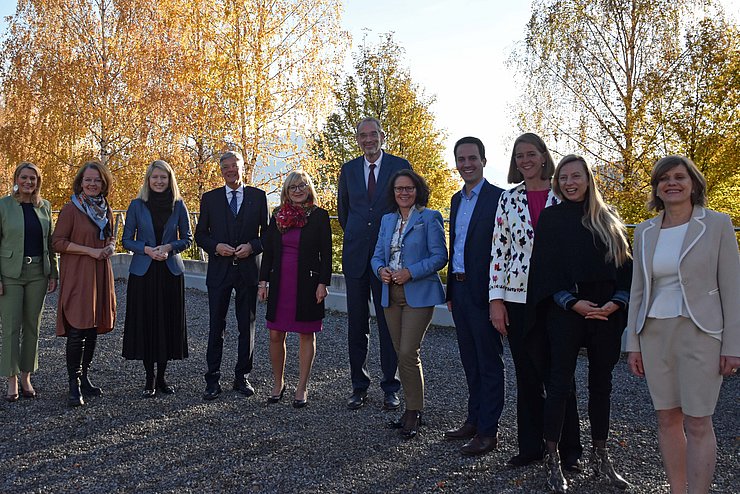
[162, 385]
[149, 391]
[88, 389]
[602, 465]
[74, 367]
[555, 480]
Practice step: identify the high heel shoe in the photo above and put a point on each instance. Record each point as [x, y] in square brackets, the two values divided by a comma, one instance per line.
[28, 393]
[411, 421]
[276, 398]
[300, 403]
[11, 397]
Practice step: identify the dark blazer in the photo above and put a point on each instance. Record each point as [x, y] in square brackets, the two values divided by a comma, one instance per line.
[217, 225]
[360, 216]
[478, 241]
[12, 229]
[138, 232]
[314, 265]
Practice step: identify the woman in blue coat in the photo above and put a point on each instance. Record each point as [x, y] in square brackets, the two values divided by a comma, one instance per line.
[157, 230]
[409, 252]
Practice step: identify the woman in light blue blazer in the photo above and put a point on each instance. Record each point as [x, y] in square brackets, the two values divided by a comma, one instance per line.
[157, 229]
[409, 252]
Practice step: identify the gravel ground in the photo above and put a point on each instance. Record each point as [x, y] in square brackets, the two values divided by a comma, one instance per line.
[123, 443]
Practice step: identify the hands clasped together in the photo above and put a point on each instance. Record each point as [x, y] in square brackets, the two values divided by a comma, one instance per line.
[396, 277]
[158, 253]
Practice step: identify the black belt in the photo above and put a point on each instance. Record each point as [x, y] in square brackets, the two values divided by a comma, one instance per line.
[31, 260]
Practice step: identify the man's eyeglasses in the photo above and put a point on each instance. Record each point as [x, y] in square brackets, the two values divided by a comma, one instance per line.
[408, 189]
[300, 187]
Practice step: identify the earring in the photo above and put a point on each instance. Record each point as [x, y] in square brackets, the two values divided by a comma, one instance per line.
[15, 188]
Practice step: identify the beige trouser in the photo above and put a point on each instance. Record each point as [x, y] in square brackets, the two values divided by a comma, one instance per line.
[407, 326]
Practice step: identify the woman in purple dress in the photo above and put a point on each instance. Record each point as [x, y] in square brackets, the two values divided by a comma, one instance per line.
[295, 271]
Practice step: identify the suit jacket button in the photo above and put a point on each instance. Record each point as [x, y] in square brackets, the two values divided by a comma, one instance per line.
[369, 223]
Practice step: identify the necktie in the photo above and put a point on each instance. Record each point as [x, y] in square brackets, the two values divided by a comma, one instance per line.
[371, 182]
[232, 203]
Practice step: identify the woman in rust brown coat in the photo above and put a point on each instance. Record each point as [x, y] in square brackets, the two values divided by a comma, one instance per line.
[87, 302]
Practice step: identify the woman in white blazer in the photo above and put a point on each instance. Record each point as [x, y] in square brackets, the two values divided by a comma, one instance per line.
[683, 331]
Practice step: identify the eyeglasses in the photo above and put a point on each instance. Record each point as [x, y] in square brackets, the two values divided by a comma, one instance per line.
[408, 189]
[300, 187]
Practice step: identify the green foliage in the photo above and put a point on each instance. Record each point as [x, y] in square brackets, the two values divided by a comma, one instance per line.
[381, 87]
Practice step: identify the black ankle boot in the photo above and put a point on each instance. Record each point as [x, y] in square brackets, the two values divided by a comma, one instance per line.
[411, 420]
[88, 350]
[555, 480]
[74, 367]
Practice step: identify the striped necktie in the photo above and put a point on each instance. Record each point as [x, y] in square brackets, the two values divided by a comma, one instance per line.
[232, 203]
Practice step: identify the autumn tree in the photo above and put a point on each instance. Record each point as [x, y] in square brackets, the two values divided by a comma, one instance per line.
[383, 88]
[594, 74]
[702, 120]
[129, 81]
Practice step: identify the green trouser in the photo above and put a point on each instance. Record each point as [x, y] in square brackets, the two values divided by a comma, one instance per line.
[20, 309]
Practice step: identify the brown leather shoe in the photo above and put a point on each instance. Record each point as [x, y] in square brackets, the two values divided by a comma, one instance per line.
[465, 431]
[479, 445]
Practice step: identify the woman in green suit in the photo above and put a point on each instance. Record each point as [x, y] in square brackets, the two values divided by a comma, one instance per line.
[28, 270]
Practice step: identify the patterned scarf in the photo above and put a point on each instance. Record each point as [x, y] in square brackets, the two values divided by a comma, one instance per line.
[291, 215]
[96, 208]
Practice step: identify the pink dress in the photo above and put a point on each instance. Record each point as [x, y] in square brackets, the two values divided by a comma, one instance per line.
[288, 292]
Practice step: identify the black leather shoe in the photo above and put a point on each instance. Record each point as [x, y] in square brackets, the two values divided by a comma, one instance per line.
[479, 445]
[242, 386]
[300, 403]
[212, 392]
[149, 393]
[391, 401]
[521, 460]
[165, 388]
[465, 431]
[572, 465]
[357, 399]
[276, 398]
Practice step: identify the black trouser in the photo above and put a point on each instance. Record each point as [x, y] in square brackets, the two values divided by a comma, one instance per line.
[568, 332]
[245, 307]
[531, 356]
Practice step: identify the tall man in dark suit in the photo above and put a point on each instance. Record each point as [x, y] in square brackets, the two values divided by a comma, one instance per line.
[232, 219]
[361, 204]
[472, 216]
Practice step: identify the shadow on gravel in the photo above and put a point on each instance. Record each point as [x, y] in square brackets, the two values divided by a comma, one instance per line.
[121, 442]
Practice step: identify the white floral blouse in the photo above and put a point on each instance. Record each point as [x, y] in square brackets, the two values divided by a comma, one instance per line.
[513, 237]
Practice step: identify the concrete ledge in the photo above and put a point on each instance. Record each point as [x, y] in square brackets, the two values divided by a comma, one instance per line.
[195, 277]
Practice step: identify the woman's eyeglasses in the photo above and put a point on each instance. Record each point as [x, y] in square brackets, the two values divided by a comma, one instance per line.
[408, 189]
[300, 187]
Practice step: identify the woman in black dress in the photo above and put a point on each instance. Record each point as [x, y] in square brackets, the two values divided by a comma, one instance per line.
[295, 271]
[157, 229]
[579, 284]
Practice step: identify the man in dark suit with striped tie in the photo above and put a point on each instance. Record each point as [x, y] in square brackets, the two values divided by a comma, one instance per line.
[232, 219]
[361, 204]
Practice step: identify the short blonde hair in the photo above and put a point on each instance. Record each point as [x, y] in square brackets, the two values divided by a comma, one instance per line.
[294, 178]
[36, 195]
[165, 167]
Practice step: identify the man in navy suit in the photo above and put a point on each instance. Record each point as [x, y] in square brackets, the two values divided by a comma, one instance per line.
[232, 219]
[361, 204]
[472, 217]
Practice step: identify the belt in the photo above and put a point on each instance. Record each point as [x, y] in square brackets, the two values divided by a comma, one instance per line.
[458, 276]
[31, 260]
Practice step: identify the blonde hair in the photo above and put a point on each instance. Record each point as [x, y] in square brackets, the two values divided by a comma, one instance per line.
[165, 167]
[36, 195]
[294, 178]
[599, 218]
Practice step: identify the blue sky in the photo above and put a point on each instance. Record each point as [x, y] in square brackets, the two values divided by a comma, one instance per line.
[455, 50]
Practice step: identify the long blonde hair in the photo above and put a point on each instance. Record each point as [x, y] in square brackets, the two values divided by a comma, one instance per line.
[165, 167]
[36, 195]
[599, 218]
